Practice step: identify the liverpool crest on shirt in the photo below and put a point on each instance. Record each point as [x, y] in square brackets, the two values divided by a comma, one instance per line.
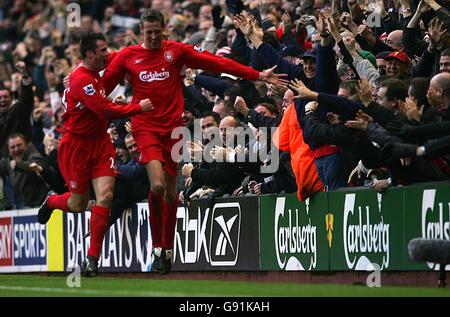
[168, 55]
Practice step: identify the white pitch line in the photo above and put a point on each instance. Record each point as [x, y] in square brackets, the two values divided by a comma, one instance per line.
[81, 291]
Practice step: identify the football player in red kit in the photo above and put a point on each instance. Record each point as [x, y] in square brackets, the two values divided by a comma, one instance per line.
[86, 153]
[153, 69]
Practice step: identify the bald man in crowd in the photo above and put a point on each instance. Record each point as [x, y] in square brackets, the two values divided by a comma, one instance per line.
[439, 94]
[395, 40]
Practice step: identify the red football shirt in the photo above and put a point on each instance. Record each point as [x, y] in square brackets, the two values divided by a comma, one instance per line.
[156, 74]
[87, 110]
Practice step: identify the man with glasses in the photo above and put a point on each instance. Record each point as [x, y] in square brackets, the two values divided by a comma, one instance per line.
[394, 40]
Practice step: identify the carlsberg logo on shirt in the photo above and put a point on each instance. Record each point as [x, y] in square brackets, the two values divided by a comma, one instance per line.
[148, 76]
[365, 235]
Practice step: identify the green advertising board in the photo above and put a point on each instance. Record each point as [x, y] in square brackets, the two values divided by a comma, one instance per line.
[368, 230]
[427, 215]
[293, 234]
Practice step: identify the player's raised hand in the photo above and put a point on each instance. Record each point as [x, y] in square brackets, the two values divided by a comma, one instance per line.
[36, 168]
[358, 124]
[66, 81]
[287, 21]
[365, 92]
[254, 188]
[128, 126]
[186, 171]
[221, 154]
[195, 150]
[270, 77]
[240, 106]
[146, 105]
[201, 193]
[301, 91]
[21, 67]
[242, 22]
[120, 100]
[412, 111]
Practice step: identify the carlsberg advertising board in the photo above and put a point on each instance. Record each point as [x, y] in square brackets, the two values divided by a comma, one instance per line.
[367, 230]
[427, 215]
[293, 234]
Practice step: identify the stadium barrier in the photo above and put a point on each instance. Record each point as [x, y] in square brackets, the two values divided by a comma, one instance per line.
[355, 229]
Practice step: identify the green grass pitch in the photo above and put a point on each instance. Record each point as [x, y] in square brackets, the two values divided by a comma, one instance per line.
[41, 285]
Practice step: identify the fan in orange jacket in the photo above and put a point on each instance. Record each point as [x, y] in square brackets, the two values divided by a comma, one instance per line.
[289, 138]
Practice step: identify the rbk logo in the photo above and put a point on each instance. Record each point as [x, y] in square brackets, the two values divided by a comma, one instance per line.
[138, 61]
[224, 237]
[225, 234]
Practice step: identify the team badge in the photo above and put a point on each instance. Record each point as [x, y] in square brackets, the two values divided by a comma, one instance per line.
[89, 90]
[73, 184]
[168, 55]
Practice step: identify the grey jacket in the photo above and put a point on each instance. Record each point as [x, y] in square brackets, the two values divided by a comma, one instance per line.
[27, 185]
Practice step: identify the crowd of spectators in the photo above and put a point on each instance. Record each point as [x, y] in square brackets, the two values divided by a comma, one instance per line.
[367, 104]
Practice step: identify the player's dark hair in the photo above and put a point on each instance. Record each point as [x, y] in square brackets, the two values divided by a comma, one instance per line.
[128, 135]
[446, 52]
[213, 114]
[151, 15]
[351, 85]
[395, 89]
[18, 135]
[2, 87]
[269, 106]
[89, 43]
[418, 89]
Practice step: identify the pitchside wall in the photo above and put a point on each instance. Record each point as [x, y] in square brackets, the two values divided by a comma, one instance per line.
[340, 231]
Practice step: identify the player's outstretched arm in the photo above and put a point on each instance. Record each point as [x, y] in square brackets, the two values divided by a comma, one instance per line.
[209, 62]
[90, 97]
[270, 77]
[114, 71]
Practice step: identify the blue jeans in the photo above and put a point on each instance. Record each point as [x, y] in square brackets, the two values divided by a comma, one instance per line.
[13, 198]
[330, 171]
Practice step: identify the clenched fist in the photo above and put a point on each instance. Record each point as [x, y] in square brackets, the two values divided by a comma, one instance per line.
[146, 105]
